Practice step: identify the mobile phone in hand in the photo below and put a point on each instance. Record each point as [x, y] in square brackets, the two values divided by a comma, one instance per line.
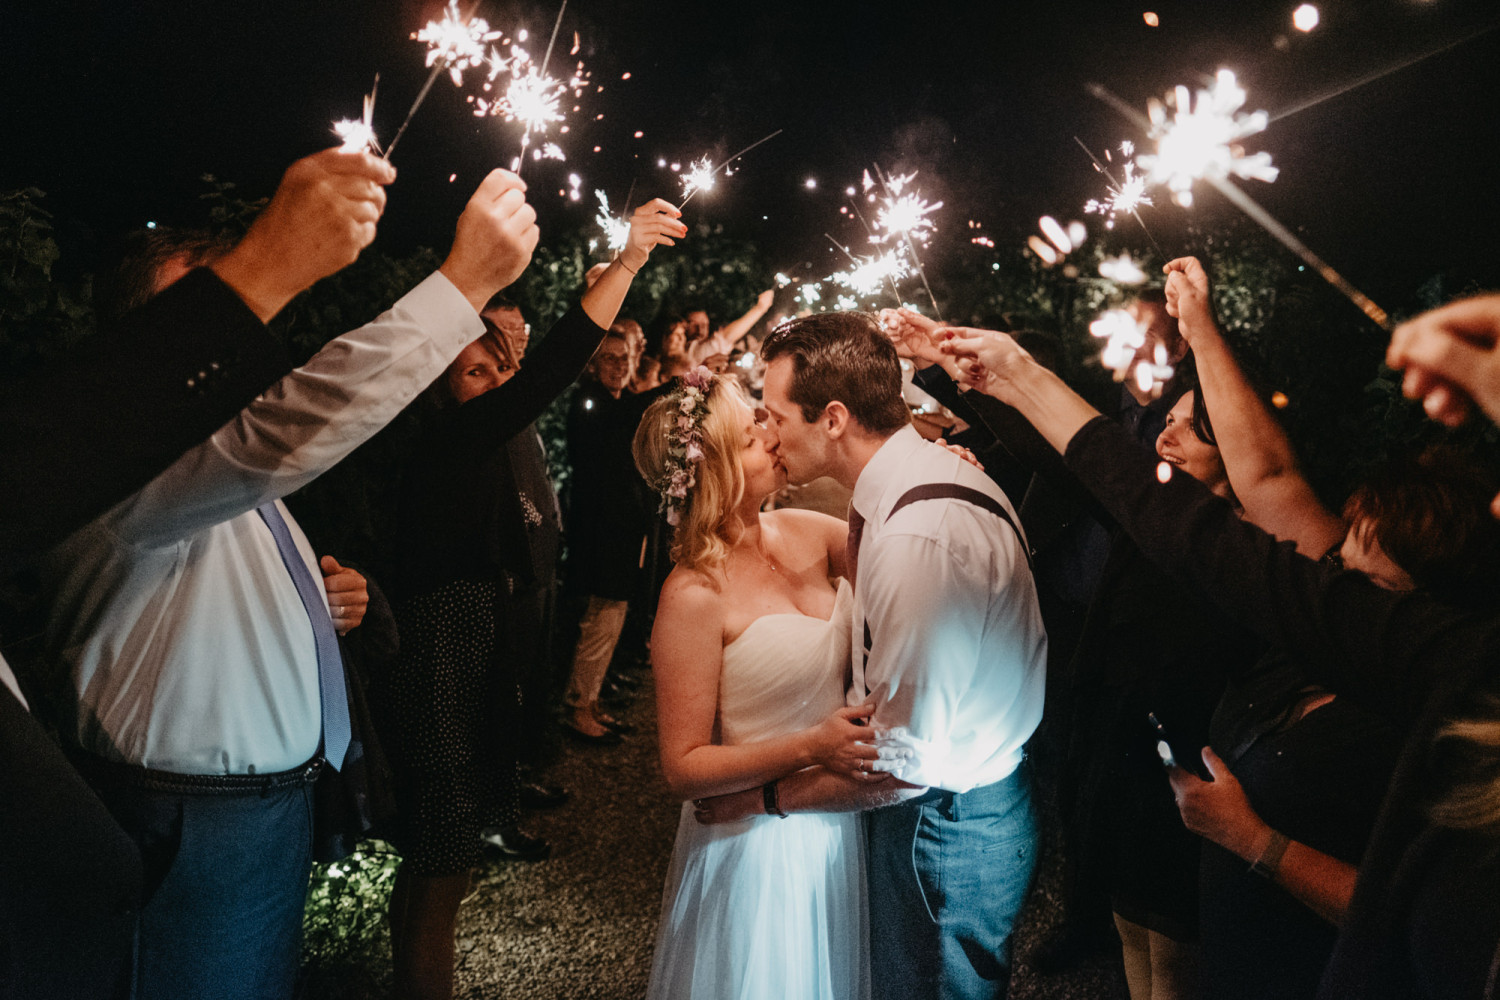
[1173, 756]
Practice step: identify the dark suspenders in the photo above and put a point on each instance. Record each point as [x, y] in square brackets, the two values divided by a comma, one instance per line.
[952, 491]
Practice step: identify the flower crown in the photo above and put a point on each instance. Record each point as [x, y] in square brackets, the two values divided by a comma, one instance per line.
[686, 442]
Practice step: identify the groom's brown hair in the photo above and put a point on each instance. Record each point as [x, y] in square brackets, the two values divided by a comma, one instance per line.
[842, 356]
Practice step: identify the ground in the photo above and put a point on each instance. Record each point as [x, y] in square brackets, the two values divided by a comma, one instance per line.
[581, 925]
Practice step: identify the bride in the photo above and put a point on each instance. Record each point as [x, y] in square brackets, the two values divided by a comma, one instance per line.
[750, 651]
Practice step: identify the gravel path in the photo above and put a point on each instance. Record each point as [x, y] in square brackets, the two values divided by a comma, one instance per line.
[581, 925]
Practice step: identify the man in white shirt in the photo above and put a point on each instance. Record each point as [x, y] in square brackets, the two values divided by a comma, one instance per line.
[948, 640]
[190, 632]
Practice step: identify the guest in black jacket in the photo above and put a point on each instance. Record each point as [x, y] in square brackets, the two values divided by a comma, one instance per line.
[1424, 919]
[465, 555]
[84, 434]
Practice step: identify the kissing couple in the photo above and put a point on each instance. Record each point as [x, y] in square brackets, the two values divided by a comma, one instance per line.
[845, 706]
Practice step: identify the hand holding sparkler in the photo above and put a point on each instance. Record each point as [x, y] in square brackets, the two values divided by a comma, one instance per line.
[653, 224]
[1187, 297]
[322, 215]
[1451, 357]
[496, 236]
[986, 359]
[918, 339]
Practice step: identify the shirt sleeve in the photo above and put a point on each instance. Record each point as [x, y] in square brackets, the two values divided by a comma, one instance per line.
[308, 421]
[926, 602]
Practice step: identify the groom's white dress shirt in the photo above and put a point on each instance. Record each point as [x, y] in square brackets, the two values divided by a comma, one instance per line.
[958, 654]
[189, 646]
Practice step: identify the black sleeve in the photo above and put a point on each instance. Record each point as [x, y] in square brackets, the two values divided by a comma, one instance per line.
[488, 421]
[1015, 434]
[100, 423]
[1387, 649]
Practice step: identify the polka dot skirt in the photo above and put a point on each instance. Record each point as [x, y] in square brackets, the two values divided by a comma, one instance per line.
[454, 704]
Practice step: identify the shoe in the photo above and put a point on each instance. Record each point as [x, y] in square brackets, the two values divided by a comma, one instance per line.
[615, 725]
[536, 795]
[624, 681]
[608, 738]
[516, 845]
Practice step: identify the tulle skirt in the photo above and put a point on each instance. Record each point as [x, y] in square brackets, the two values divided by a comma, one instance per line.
[765, 909]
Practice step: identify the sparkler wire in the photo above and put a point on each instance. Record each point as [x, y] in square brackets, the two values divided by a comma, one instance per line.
[546, 58]
[731, 159]
[1378, 74]
[1250, 207]
[437, 67]
[855, 261]
[912, 247]
[1114, 188]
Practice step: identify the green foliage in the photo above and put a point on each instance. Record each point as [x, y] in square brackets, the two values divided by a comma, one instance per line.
[345, 929]
[228, 212]
[40, 316]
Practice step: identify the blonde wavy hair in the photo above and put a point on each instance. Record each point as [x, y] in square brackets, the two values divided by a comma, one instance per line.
[708, 528]
[1469, 748]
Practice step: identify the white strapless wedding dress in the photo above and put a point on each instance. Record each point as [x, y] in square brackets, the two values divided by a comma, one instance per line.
[770, 908]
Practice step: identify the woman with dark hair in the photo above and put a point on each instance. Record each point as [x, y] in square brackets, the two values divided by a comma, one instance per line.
[1419, 917]
[465, 553]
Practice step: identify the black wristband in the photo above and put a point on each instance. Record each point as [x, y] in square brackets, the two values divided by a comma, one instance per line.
[768, 795]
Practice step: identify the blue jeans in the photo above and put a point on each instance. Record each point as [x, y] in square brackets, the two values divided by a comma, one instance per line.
[948, 873]
[226, 880]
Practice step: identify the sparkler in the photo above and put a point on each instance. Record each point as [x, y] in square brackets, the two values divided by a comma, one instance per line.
[360, 135]
[1199, 141]
[1123, 338]
[1217, 171]
[1126, 196]
[454, 45]
[699, 178]
[905, 214]
[616, 229]
[708, 181]
[1122, 270]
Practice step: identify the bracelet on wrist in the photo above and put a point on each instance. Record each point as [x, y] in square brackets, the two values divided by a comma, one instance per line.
[621, 259]
[768, 796]
[1269, 862]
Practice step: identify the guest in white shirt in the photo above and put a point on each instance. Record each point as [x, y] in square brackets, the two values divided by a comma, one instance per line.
[948, 642]
[194, 636]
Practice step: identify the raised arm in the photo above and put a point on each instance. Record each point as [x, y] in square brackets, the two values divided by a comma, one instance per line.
[687, 648]
[733, 332]
[314, 417]
[1257, 454]
[653, 224]
[561, 356]
[128, 403]
[1387, 649]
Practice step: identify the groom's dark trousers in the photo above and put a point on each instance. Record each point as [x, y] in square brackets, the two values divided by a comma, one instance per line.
[948, 873]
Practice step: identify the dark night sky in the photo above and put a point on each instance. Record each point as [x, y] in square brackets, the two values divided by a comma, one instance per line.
[116, 108]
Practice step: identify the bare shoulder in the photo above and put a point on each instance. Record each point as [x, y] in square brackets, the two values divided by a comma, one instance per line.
[692, 594]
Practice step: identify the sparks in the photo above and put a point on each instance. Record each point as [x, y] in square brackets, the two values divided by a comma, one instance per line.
[869, 274]
[699, 177]
[616, 230]
[1123, 336]
[1124, 198]
[1122, 270]
[1199, 141]
[905, 215]
[458, 43]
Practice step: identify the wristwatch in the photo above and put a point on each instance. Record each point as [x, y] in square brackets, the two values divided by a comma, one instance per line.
[768, 796]
[1269, 862]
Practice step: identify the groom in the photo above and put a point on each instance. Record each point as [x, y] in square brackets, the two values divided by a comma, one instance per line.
[949, 641]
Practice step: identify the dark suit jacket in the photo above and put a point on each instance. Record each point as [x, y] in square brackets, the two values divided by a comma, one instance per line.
[99, 424]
